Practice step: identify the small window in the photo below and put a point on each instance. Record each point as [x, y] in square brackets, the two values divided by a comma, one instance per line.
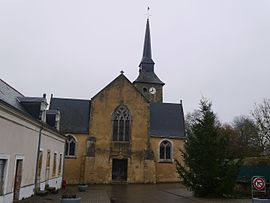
[48, 159]
[3, 163]
[144, 89]
[70, 146]
[165, 151]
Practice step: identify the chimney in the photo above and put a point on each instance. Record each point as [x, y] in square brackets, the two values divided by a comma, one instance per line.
[43, 107]
[57, 119]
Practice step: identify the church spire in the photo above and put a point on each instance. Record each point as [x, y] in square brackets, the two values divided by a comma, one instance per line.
[147, 81]
[147, 52]
[147, 74]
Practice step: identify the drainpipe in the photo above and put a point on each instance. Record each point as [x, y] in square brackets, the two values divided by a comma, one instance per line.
[63, 168]
[38, 149]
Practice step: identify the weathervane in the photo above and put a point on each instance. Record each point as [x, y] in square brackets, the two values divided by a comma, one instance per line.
[148, 12]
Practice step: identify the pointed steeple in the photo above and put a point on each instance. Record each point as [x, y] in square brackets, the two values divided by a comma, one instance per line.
[147, 52]
[147, 74]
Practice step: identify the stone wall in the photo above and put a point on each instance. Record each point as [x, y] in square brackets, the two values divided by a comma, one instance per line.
[166, 171]
[73, 165]
[144, 89]
[99, 168]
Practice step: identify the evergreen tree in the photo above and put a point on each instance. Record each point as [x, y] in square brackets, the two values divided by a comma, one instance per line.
[208, 168]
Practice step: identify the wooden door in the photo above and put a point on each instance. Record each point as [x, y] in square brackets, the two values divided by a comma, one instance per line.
[119, 170]
[18, 180]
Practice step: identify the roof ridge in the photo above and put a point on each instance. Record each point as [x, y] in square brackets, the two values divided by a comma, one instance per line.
[166, 103]
[71, 99]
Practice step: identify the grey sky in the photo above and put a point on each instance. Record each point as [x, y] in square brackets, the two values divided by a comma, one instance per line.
[216, 48]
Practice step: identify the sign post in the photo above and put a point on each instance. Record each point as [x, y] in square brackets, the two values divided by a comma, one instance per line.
[258, 184]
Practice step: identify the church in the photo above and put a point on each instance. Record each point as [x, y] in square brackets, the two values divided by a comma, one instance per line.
[124, 133]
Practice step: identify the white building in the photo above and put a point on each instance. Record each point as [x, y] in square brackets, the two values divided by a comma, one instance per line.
[23, 168]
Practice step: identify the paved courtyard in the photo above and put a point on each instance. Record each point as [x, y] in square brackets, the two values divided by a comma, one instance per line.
[133, 193]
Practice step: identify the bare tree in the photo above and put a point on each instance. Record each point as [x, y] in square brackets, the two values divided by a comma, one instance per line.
[247, 129]
[247, 136]
[261, 116]
[190, 120]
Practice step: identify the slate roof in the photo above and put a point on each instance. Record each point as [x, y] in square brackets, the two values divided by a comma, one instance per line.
[147, 51]
[13, 98]
[9, 95]
[148, 77]
[28, 105]
[75, 114]
[31, 99]
[32, 104]
[167, 120]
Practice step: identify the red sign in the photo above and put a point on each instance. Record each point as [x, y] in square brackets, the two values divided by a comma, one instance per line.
[258, 183]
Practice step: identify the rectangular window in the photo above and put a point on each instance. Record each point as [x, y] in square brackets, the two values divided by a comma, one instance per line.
[2, 175]
[60, 165]
[54, 164]
[48, 159]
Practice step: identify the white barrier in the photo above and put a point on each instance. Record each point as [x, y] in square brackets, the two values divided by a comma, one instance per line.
[257, 200]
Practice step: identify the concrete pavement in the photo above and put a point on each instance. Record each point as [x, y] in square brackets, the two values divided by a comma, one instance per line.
[133, 193]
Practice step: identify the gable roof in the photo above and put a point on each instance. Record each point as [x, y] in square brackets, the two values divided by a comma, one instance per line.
[167, 120]
[75, 114]
[125, 78]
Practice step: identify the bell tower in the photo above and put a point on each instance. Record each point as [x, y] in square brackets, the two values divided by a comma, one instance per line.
[148, 82]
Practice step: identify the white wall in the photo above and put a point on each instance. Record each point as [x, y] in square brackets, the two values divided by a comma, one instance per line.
[19, 140]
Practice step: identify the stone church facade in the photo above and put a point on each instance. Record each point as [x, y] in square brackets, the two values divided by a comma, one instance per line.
[125, 133]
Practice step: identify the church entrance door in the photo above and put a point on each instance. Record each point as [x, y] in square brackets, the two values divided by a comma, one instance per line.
[119, 170]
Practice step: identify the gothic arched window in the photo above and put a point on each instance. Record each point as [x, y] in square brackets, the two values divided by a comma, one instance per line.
[165, 151]
[70, 146]
[121, 124]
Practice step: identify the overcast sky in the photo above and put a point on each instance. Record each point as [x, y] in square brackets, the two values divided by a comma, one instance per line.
[219, 49]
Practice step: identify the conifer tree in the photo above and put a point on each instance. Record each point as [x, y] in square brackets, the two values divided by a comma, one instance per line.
[208, 169]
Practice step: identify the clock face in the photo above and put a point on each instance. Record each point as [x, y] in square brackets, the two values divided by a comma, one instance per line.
[152, 90]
